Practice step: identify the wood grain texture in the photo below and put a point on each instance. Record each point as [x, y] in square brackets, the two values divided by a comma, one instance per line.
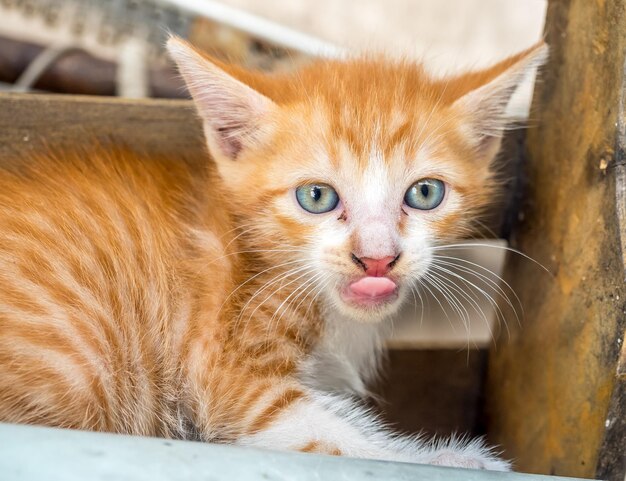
[167, 126]
[612, 459]
[553, 386]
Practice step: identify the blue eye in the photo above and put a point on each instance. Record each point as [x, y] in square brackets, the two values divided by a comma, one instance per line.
[425, 194]
[317, 198]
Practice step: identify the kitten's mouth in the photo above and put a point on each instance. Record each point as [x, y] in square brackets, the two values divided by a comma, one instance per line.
[370, 291]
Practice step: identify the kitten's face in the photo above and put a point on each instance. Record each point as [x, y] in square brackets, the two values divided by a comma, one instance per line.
[357, 203]
[350, 174]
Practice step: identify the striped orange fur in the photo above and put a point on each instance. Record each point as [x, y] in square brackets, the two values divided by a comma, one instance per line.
[138, 296]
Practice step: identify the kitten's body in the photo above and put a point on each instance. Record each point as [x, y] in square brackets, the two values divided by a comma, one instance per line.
[139, 297]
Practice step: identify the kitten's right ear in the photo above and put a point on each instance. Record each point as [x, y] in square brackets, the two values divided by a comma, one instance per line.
[231, 111]
[486, 94]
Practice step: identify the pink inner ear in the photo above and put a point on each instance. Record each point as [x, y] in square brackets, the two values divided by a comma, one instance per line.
[230, 108]
[230, 117]
[229, 141]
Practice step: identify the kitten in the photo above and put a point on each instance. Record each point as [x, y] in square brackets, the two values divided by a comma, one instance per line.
[246, 304]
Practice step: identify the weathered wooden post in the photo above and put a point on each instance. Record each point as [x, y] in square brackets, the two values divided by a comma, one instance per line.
[556, 390]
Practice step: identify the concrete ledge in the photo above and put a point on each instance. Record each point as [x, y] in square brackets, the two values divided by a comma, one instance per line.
[29, 453]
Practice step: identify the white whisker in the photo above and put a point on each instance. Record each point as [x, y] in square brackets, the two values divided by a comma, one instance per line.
[484, 278]
[472, 301]
[469, 245]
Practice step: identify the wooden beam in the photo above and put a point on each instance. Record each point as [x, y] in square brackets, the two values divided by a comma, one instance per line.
[28, 121]
[556, 388]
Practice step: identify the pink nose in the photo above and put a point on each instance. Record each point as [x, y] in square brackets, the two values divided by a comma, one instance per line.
[377, 267]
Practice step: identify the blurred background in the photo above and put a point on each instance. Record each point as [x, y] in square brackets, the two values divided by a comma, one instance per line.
[448, 34]
[114, 47]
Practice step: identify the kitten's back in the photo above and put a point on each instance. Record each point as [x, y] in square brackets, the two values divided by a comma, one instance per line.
[91, 246]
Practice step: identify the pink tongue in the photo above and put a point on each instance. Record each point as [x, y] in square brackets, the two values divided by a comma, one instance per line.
[373, 287]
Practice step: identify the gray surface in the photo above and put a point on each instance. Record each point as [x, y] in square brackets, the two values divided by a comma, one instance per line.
[35, 453]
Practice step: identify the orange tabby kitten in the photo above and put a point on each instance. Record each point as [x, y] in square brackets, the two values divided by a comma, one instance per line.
[247, 304]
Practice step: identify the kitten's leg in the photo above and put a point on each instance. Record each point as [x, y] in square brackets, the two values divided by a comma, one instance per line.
[322, 423]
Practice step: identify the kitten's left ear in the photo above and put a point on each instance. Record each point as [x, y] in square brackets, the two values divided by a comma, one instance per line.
[486, 95]
[232, 112]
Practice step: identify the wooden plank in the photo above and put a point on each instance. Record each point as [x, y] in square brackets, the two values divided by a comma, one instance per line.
[612, 460]
[555, 398]
[620, 168]
[34, 453]
[166, 126]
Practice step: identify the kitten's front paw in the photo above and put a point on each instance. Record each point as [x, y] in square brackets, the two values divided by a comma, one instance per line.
[472, 455]
[459, 460]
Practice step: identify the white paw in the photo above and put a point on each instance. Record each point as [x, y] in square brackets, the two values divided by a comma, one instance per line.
[473, 455]
[458, 460]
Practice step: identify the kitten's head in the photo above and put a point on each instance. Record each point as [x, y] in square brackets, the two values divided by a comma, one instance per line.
[349, 172]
